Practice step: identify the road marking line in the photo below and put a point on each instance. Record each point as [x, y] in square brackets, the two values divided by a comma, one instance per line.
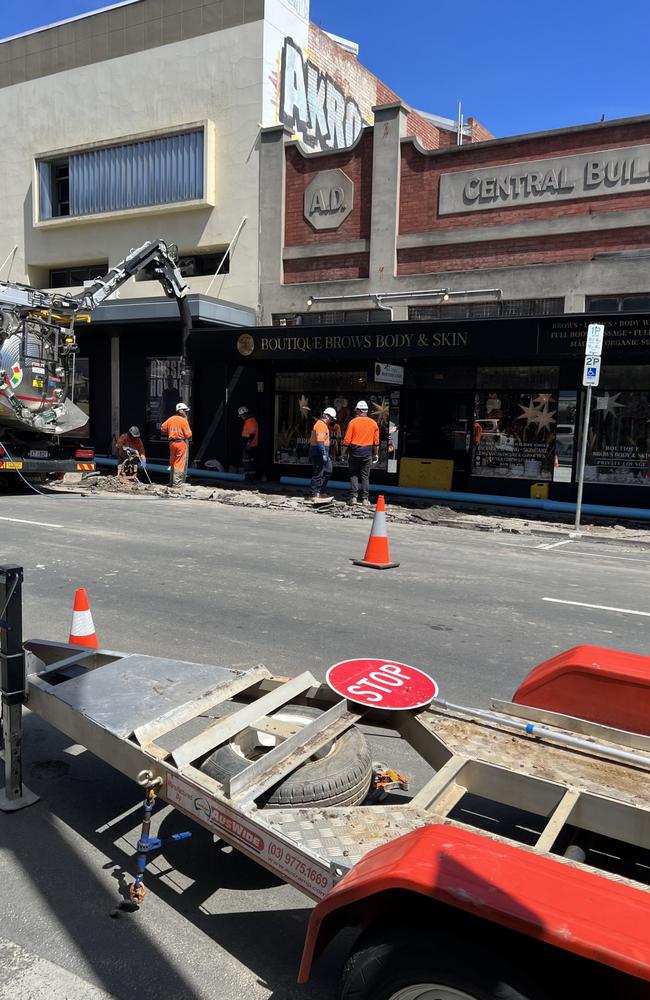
[40, 524]
[597, 607]
[553, 545]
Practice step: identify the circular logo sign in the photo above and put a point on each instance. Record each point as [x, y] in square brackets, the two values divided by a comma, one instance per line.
[382, 684]
[245, 344]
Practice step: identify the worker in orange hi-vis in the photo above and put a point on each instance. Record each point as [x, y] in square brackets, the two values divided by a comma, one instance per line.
[179, 433]
[361, 445]
[250, 434]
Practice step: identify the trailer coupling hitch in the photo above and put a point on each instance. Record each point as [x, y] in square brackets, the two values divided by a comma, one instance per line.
[385, 779]
[147, 845]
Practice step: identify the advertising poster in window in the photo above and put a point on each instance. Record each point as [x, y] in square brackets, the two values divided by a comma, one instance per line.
[514, 434]
[300, 400]
[164, 387]
[618, 446]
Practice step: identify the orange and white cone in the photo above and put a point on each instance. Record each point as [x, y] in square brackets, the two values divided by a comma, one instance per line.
[82, 630]
[377, 552]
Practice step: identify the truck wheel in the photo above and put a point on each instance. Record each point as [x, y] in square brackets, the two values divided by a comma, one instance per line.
[410, 966]
[339, 775]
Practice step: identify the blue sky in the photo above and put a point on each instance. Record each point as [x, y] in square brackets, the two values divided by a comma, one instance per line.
[518, 66]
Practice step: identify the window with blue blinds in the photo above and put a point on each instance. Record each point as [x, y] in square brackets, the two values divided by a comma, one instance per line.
[134, 175]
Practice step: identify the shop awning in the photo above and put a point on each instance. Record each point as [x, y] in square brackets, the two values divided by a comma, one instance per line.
[214, 312]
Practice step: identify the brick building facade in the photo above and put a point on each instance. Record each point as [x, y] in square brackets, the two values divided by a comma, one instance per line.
[453, 286]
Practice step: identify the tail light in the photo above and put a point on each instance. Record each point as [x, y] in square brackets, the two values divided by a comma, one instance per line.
[85, 454]
[2, 452]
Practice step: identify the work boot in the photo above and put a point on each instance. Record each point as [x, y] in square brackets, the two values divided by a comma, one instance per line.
[324, 496]
[352, 501]
[366, 502]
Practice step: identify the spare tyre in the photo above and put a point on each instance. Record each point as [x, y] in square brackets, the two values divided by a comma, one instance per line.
[339, 775]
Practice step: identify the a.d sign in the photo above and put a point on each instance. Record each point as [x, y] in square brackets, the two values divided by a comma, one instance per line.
[329, 199]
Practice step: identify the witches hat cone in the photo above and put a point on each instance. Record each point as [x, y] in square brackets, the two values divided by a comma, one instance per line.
[82, 630]
[377, 552]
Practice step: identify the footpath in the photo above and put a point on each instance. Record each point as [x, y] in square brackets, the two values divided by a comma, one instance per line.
[400, 510]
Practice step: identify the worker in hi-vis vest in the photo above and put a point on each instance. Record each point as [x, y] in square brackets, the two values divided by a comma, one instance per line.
[250, 434]
[319, 455]
[361, 445]
[179, 433]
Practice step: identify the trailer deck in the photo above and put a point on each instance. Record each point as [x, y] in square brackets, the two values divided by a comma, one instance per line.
[157, 719]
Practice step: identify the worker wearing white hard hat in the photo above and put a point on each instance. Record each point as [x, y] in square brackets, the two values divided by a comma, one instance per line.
[250, 434]
[129, 450]
[179, 434]
[361, 446]
[319, 455]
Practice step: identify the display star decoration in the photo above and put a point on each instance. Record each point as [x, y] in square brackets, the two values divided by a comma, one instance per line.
[545, 418]
[543, 399]
[611, 406]
[303, 404]
[381, 411]
[529, 413]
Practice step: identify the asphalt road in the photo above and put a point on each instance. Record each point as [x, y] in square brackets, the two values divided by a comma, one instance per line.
[237, 587]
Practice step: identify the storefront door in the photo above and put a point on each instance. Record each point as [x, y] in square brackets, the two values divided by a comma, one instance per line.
[439, 427]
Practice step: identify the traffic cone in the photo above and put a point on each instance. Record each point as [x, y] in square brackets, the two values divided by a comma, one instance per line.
[377, 552]
[82, 629]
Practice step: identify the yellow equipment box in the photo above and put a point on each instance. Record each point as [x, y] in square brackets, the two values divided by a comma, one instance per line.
[539, 491]
[426, 473]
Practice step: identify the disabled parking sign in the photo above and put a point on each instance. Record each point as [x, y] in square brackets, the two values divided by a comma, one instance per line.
[384, 684]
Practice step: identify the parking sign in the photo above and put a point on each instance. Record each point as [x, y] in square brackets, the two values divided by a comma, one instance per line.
[591, 375]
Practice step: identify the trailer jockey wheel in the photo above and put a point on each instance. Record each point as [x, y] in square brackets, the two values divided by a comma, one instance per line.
[338, 775]
[409, 965]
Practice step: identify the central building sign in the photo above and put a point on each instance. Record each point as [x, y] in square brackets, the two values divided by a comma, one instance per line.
[583, 175]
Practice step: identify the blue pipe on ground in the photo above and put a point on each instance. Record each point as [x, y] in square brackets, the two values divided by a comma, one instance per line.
[550, 506]
[233, 477]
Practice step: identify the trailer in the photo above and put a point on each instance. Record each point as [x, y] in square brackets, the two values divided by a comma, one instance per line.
[520, 870]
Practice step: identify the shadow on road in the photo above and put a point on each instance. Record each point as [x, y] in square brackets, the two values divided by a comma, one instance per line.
[208, 886]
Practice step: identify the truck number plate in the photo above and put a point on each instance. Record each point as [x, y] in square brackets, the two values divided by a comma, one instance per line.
[38, 454]
[11, 465]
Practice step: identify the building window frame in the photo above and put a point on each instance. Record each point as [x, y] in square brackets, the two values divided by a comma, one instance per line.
[48, 201]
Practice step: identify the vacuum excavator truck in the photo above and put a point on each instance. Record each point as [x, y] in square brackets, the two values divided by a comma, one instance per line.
[38, 349]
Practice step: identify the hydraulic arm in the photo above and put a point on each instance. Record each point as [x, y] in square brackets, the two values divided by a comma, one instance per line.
[37, 339]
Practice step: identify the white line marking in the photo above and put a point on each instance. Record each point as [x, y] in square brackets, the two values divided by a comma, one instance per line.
[553, 545]
[597, 607]
[40, 524]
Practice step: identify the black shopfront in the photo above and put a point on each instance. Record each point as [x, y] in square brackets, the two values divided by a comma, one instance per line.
[481, 406]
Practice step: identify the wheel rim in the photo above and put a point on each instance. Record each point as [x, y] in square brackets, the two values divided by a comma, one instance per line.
[430, 991]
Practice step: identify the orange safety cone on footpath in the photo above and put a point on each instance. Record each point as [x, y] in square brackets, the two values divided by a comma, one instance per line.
[377, 552]
[82, 629]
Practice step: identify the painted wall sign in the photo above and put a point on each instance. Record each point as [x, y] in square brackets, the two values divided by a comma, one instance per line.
[408, 343]
[583, 175]
[313, 106]
[329, 199]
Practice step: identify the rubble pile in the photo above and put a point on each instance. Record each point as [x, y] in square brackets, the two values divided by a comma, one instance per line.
[290, 499]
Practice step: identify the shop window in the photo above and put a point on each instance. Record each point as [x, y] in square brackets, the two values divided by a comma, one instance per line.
[565, 435]
[74, 277]
[300, 398]
[488, 310]
[515, 416]
[164, 391]
[618, 445]
[639, 302]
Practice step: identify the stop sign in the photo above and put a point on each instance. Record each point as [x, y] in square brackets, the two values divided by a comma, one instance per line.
[382, 684]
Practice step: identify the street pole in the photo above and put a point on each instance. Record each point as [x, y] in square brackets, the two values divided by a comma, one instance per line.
[583, 456]
[12, 685]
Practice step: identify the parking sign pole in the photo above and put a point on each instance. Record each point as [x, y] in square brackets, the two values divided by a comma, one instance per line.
[590, 377]
[583, 457]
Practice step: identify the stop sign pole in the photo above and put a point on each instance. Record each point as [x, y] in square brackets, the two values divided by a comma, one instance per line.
[590, 378]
